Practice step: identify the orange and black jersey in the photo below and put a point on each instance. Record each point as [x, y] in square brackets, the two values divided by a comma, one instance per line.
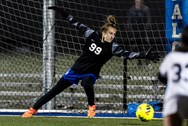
[95, 53]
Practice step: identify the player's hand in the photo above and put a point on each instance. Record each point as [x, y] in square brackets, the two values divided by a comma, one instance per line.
[153, 56]
[59, 10]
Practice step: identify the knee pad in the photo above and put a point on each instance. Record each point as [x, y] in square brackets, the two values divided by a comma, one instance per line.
[88, 82]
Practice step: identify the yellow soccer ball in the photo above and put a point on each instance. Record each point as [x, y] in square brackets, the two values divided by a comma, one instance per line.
[145, 112]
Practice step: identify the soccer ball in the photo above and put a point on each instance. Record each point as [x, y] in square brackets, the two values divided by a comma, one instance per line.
[145, 112]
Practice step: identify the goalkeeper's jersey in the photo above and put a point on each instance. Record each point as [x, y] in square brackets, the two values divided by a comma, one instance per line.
[95, 53]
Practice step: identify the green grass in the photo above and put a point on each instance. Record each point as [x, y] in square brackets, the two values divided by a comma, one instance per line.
[75, 121]
[65, 121]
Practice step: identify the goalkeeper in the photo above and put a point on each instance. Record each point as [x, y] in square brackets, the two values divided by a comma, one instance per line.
[98, 49]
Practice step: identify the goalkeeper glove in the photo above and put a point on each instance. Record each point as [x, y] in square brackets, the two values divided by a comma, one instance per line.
[153, 56]
[59, 10]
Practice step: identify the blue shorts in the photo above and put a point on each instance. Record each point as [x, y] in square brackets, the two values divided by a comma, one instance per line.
[74, 78]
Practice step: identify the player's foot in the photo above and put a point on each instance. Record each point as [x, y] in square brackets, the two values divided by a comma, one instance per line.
[29, 113]
[91, 111]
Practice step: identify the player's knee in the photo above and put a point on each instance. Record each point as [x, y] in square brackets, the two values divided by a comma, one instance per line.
[88, 82]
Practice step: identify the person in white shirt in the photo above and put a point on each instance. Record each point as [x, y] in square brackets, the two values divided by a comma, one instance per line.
[173, 71]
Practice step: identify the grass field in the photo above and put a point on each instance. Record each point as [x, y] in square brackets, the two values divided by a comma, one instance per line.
[77, 121]
[69, 121]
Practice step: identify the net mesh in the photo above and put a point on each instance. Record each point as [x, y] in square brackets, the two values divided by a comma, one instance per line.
[120, 83]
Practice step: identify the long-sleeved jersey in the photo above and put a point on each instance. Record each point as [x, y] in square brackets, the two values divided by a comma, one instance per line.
[95, 53]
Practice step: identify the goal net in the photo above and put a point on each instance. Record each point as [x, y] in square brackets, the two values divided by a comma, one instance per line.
[38, 47]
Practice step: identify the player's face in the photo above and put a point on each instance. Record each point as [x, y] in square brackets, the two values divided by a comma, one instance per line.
[109, 35]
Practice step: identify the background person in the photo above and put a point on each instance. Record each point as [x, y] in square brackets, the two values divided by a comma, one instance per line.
[138, 22]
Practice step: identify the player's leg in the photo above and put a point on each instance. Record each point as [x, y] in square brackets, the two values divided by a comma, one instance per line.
[87, 83]
[58, 88]
[170, 108]
[61, 85]
[175, 110]
[172, 120]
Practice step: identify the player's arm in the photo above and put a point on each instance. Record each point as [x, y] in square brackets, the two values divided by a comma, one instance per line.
[162, 78]
[86, 31]
[165, 68]
[120, 52]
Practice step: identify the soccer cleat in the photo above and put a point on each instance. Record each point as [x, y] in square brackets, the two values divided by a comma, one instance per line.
[29, 113]
[91, 111]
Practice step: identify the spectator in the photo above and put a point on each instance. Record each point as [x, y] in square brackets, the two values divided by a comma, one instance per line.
[138, 23]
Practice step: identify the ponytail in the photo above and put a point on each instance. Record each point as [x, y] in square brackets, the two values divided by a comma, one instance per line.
[110, 22]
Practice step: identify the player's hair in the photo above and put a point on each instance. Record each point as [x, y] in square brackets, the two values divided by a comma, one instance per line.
[110, 22]
[184, 37]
